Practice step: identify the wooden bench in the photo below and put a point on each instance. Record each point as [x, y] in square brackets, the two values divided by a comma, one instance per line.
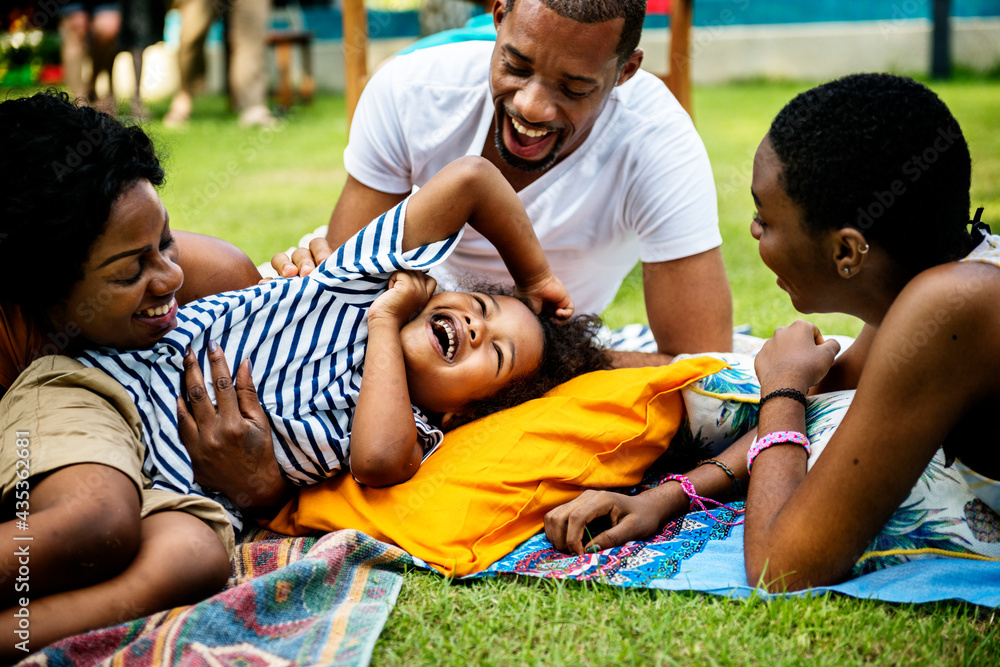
[283, 42]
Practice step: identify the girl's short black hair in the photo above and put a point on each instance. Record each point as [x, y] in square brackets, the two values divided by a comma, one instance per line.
[881, 153]
[61, 169]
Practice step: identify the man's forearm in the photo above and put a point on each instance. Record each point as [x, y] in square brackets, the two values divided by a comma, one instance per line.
[628, 359]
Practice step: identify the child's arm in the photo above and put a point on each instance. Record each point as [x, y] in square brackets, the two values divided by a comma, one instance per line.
[384, 445]
[472, 190]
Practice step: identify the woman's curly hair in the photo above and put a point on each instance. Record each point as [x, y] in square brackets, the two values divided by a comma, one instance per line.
[570, 349]
[881, 153]
[61, 169]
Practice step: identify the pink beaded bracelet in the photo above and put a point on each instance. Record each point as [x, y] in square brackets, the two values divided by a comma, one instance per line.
[777, 438]
[695, 499]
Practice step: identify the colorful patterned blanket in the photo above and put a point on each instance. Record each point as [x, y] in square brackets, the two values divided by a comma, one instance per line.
[942, 543]
[696, 553]
[289, 601]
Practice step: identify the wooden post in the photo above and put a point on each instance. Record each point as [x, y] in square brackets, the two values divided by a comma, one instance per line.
[941, 40]
[355, 53]
[679, 72]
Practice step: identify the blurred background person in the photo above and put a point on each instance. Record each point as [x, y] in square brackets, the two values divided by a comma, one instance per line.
[142, 26]
[247, 24]
[89, 28]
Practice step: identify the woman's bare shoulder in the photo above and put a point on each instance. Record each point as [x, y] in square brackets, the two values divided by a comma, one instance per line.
[958, 293]
[946, 319]
[211, 265]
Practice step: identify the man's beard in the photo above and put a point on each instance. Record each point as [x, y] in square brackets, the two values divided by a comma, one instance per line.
[519, 162]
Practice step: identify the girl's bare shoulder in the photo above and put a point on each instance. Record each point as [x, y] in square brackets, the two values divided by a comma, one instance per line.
[946, 317]
[957, 292]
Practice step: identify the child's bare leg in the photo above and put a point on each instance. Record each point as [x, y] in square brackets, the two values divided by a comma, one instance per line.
[83, 521]
[180, 561]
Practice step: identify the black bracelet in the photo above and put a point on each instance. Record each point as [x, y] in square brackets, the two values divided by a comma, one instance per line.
[737, 484]
[787, 392]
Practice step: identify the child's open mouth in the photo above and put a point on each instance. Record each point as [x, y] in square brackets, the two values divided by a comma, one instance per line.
[444, 330]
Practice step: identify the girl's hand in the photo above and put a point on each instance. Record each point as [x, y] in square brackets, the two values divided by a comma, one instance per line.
[631, 518]
[796, 356]
[408, 293]
[547, 295]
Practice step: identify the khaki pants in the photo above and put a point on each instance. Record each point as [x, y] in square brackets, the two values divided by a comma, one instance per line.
[248, 20]
[64, 413]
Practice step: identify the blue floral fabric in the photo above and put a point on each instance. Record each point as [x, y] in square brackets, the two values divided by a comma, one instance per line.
[942, 542]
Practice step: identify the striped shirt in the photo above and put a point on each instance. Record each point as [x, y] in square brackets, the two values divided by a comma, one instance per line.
[305, 338]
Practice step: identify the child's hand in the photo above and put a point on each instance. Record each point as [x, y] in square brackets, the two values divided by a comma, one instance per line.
[408, 293]
[548, 295]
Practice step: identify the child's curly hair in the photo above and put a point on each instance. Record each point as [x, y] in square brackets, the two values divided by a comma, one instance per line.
[570, 349]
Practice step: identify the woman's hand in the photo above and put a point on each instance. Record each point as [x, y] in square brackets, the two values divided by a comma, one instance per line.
[408, 293]
[796, 357]
[631, 517]
[547, 295]
[230, 444]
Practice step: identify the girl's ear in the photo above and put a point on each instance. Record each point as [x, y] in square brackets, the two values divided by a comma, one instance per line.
[851, 248]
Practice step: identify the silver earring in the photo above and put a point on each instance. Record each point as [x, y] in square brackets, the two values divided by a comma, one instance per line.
[847, 270]
[863, 249]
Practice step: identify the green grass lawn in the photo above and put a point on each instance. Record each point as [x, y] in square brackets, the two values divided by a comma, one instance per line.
[263, 189]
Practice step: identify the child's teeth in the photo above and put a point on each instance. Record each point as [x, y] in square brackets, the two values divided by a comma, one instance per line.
[451, 340]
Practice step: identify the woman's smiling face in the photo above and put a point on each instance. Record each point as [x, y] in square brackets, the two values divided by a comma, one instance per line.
[467, 346]
[803, 266]
[126, 296]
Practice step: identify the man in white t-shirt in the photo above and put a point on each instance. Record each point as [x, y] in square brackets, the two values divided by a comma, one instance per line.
[606, 162]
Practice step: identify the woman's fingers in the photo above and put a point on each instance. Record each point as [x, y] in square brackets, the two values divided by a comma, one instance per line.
[198, 402]
[225, 393]
[246, 395]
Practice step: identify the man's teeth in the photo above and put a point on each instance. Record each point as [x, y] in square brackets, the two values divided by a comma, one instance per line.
[521, 129]
[158, 311]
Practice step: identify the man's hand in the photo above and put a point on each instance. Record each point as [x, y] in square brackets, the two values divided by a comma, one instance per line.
[230, 445]
[547, 295]
[303, 260]
[408, 293]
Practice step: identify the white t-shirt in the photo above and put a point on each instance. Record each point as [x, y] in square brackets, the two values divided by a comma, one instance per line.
[640, 186]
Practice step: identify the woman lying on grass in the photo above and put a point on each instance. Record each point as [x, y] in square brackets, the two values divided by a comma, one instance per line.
[119, 528]
[63, 171]
[862, 195]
